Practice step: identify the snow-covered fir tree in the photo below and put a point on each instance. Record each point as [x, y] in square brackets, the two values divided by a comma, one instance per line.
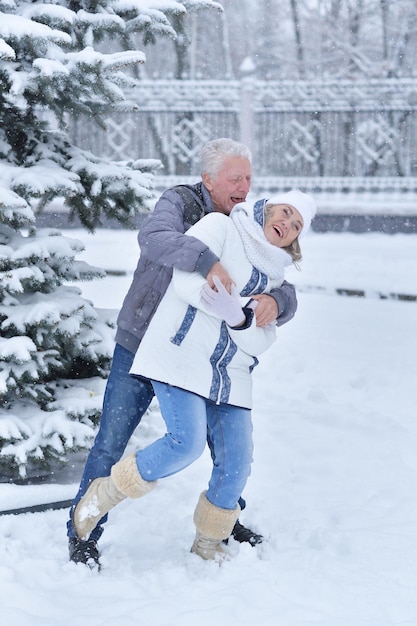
[61, 58]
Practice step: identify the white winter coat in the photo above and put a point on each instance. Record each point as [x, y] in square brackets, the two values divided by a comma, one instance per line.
[188, 347]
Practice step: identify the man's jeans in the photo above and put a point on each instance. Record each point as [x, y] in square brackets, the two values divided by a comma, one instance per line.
[126, 400]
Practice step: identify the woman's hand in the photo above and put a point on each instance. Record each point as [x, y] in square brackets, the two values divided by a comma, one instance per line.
[223, 304]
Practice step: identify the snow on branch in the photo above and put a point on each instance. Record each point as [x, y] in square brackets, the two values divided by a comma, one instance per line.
[98, 20]
[13, 208]
[13, 281]
[6, 52]
[90, 58]
[20, 349]
[202, 4]
[17, 27]
[42, 178]
[54, 15]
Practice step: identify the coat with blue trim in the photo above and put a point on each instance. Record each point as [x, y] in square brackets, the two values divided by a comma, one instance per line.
[188, 347]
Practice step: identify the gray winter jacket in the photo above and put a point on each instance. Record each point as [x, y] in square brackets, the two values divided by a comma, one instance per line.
[163, 246]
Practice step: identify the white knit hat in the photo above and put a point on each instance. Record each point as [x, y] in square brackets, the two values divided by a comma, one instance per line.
[304, 204]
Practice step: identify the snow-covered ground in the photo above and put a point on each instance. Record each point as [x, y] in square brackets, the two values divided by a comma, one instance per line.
[333, 487]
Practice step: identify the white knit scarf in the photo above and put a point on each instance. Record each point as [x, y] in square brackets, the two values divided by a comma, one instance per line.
[267, 258]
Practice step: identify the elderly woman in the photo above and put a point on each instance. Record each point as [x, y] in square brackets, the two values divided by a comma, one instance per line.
[199, 351]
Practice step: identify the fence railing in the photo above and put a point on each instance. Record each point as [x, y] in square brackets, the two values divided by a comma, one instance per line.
[341, 139]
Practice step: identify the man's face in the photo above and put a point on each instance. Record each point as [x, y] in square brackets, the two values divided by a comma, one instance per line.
[231, 184]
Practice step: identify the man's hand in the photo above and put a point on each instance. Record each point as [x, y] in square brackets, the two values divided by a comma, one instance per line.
[267, 310]
[219, 271]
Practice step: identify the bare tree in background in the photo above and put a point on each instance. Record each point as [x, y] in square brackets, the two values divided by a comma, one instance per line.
[298, 39]
[384, 12]
[295, 39]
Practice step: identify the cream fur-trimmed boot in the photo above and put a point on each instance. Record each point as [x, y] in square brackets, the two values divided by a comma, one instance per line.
[103, 494]
[213, 525]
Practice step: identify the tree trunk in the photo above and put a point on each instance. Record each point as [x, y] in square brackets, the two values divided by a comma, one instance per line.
[298, 41]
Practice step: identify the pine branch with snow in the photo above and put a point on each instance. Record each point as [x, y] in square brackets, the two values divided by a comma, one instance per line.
[52, 66]
[51, 338]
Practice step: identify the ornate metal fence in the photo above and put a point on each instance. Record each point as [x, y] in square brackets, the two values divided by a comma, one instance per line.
[340, 139]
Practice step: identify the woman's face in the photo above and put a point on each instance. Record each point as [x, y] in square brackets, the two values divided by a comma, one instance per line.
[283, 224]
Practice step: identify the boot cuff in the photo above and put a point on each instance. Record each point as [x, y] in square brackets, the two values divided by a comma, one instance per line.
[212, 521]
[126, 477]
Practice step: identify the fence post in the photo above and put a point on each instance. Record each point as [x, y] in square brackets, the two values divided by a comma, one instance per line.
[247, 85]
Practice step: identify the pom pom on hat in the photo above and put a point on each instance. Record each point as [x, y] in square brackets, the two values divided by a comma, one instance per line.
[304, 204]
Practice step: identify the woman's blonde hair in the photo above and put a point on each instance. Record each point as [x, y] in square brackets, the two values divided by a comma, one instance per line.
[294, 250]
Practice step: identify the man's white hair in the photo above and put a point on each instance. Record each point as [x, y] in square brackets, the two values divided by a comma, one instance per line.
[216, 151]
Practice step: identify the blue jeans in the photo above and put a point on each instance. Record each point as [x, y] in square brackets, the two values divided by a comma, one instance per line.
[126, 400]
[189, 419]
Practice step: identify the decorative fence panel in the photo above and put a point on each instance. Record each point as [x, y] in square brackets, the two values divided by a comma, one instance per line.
[339, 128]
[330, 137]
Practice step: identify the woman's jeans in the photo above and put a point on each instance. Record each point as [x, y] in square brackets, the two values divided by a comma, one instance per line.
[189, 420]
[126, 400]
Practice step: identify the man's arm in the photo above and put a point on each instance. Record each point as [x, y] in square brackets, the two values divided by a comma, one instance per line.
[221, 273]
[162, 240]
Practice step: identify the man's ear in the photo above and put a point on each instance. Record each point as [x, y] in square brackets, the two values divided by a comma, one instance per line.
[208, 184]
